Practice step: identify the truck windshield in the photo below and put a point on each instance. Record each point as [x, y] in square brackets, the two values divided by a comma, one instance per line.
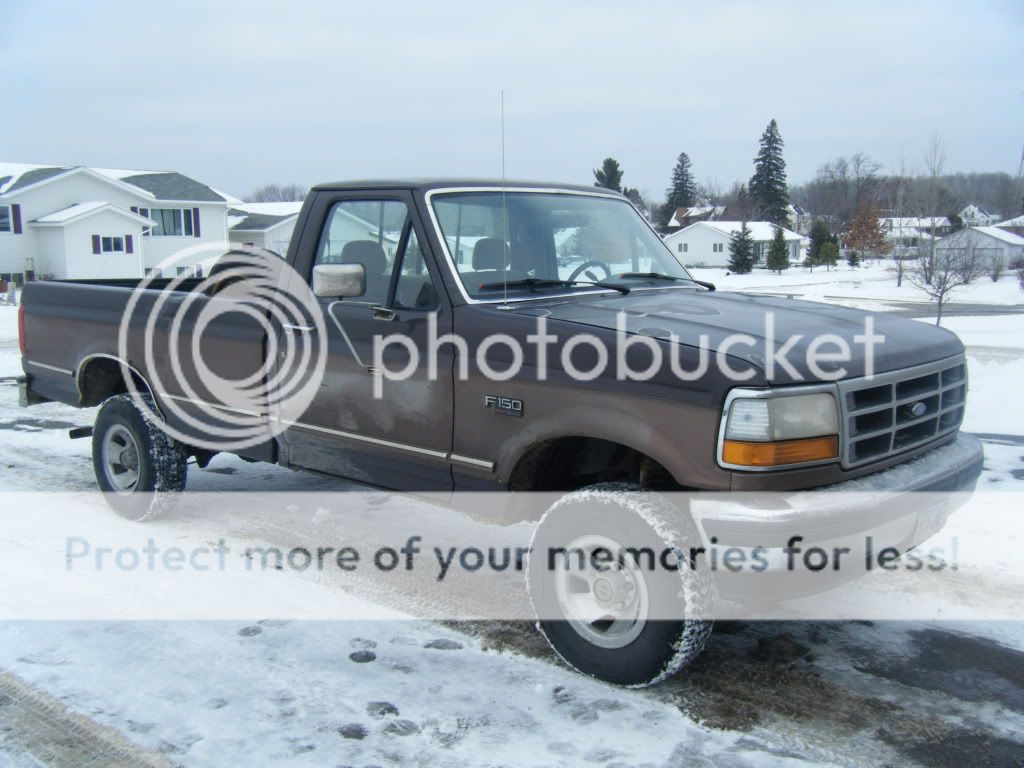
[537, 242]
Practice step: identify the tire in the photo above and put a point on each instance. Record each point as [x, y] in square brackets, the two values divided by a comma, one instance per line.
[633, 650]
[154, 465]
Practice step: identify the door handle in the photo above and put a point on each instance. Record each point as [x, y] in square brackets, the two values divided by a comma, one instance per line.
[298, 328]
[383, 313]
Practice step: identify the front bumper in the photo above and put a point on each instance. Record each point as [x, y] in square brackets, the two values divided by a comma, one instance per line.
[899, 507]
[755, 518]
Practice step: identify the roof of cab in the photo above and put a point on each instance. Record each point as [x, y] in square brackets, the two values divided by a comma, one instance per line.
[425, 185]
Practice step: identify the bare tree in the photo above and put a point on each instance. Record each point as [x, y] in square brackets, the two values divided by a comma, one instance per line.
[278, 193]
[952, 266]
[996, 265]
[899, 184]
[930, 202]
[710, 192]
[863, 176]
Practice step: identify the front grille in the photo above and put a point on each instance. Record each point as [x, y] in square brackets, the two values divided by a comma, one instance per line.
[900, 410]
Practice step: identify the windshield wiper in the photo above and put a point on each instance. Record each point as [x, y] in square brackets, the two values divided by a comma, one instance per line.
[662, 276]
[538, 282]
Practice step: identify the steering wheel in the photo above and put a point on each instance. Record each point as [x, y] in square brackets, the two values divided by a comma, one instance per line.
[586, 266]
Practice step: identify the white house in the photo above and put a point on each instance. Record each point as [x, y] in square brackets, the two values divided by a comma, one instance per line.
[976, 216]
[707, 242]
[73, 222]
[799, 219]
[1015, 225]
[907, 230]
[264, 225]
[987, 243]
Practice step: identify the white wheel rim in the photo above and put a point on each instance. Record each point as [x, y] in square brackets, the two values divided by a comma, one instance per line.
[120, 457]
[606, 603]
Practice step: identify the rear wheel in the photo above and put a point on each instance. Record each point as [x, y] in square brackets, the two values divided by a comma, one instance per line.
[138, 466]
[609, 578]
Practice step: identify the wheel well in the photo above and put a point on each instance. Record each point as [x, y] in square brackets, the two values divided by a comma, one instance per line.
[103, 377]
[568, 463]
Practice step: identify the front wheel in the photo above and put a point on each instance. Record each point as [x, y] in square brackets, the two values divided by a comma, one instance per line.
[611, 584]
[138, 466]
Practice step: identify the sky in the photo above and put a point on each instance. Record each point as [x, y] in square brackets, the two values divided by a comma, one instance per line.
[241, 94]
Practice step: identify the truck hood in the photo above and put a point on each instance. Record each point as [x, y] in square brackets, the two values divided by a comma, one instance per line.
[688, 315]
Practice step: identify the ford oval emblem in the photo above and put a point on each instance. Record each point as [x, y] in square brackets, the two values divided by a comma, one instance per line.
[919, 409]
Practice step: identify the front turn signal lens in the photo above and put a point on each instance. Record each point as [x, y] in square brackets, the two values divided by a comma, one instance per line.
[777, 454]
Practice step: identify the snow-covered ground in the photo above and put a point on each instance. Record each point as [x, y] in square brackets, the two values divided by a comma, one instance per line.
[397, 689]
[870, 285]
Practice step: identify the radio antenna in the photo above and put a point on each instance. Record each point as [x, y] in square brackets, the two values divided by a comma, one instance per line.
[506, 250]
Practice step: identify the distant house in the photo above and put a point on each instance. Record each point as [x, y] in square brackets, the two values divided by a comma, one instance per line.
[264, 225]
[799, 219]
[1014, 226]
[905, 235]
[684, 217]
[706, 243]
[68, 222]
[987, 243]
[908, 233]
[976, 216]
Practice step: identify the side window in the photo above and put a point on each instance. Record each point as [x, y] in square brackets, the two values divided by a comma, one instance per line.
[414, 289]
[364, 232]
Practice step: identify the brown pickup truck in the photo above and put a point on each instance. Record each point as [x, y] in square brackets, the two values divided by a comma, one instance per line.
[575, 353]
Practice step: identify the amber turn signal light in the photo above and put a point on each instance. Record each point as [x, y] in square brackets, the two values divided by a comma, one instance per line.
[780, 453]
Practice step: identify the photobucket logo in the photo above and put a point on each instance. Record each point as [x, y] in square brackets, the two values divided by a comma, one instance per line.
[230, 357]
[800, 357]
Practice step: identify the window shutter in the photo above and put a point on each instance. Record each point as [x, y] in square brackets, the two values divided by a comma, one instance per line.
[95, 243]
[195, 222]
[16, 218]
[129, 246]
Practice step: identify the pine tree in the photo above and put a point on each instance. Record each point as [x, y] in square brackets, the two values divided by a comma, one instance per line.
[819, 235]
[778, 252]
[829, 256]
[768, 184]
[741, 251]
[633, 195]
[852, 258]
[609, 175]
[682, 192]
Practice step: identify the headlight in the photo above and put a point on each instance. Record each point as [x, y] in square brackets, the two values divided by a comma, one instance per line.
[776, 430]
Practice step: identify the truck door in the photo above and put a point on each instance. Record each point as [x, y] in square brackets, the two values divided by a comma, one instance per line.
[396, 434]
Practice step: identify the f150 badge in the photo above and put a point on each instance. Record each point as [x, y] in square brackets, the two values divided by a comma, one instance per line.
[505, 406]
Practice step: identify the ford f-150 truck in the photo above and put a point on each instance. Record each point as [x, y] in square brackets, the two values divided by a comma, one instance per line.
[489, 267]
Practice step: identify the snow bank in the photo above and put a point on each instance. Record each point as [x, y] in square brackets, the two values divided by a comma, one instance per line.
[1002, 331]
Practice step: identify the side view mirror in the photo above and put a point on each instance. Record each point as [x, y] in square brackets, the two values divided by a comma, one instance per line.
[339, 281]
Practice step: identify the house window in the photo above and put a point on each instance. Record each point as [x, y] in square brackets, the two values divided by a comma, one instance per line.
[112, 244]
[169, 221]
[5, 218]
[717, 247]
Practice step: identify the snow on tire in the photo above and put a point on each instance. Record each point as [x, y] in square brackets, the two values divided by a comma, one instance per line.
[138, 466]
[597, 616]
